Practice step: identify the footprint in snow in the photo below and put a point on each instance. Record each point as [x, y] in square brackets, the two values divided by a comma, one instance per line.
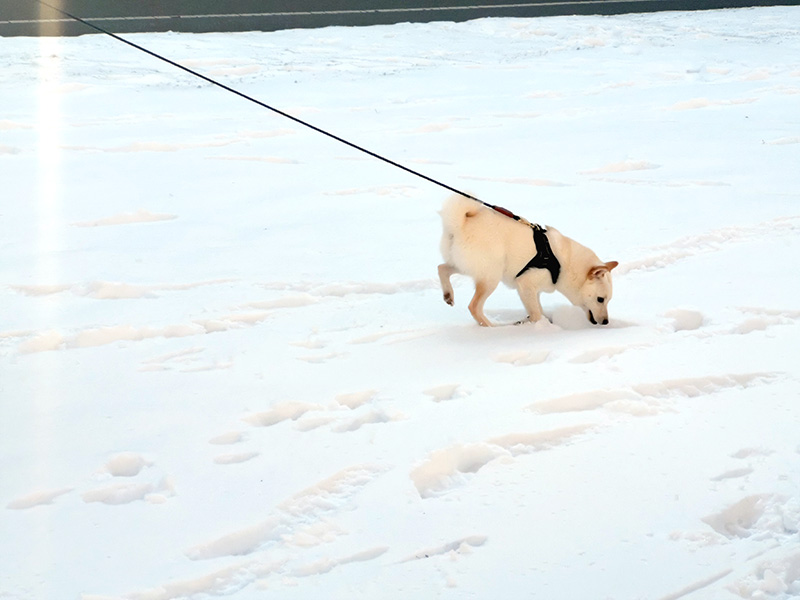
[523, 358]
[326, 565]
[37, 498]
[227, 439]
[234, 458]
[685, 319]
[443, 393]
[355, 399]
[447, 468]
[310, 507]
[651, 398]
[125, 493]
[462, 546]
[370, 418]
[129, 465]
[282, 411]
[599, 354]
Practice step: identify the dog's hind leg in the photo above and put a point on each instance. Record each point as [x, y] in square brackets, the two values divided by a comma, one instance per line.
[483, 289]
[445, 271]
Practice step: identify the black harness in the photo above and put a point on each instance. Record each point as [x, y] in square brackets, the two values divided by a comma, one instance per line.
[544, 259]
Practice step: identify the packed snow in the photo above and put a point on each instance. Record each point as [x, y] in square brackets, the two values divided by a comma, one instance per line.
[225, 363]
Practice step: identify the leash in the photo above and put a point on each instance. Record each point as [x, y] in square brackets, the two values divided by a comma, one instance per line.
[286, 115]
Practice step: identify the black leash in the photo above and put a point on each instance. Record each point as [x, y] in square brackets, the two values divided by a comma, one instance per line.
[258, 102]
[99, 29]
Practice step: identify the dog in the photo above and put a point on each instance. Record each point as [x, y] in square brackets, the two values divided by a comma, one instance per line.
[491, 245]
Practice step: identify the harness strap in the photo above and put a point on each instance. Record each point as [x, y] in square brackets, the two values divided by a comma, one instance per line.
[544, 259]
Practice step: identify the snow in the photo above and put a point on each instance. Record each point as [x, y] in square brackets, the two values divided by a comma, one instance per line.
[227, 370]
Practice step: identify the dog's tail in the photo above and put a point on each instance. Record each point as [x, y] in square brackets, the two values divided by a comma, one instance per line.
[456, 210]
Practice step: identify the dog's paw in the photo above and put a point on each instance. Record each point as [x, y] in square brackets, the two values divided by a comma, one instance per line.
[448, 298]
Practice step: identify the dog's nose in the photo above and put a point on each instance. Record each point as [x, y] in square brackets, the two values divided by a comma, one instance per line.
[605, 321]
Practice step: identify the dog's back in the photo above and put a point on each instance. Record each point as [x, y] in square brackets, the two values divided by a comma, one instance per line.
[482, 243]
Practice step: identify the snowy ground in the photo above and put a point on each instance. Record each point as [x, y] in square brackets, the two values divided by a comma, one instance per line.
[226, 368]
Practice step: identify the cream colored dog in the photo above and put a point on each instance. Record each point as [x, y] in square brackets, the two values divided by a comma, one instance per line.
[491, 247]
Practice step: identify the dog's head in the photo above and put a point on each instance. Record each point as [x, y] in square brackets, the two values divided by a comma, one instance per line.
[596, 293]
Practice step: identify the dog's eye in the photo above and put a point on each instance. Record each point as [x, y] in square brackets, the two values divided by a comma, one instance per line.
[601, 300]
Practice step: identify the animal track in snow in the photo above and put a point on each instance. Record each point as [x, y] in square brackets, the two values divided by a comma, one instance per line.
[775, 575]
[321, 358]
[603, 353]
[399, 191]
[293, 301]
[697, 103]
[127, 464]
[448, 467]
[306, 507]
[185, 361]
[349, 412]
[374, 337]
[760, 513]
[234, 458]
[733, 474]
[647, 398]
[281, 412]
[685, 319]
[442, 393]
[37, 498]
[347, 288]
[102, 336]
[523, 358]
[124, 493]
[661, 183]
[141, 216]
[113, 290]
[773, 521]
[751, 452]
[461, 546]
[368, 418]
[622, 167]
[326, 565]
[518, 181]
[355, 399]
[711, 241]
[227, 439]
[763, 318]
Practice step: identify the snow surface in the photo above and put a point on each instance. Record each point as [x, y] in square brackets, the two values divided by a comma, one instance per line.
[227, 370]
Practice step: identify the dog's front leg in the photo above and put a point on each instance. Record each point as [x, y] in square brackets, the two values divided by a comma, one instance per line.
[529, 294]
[445, 271]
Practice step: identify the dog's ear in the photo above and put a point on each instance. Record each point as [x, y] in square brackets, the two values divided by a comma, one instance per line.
[600, 270]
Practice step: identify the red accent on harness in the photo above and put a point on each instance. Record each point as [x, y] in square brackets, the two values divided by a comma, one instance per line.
[506, 212]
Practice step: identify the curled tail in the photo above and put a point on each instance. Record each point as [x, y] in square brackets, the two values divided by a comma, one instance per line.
[455, 211]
